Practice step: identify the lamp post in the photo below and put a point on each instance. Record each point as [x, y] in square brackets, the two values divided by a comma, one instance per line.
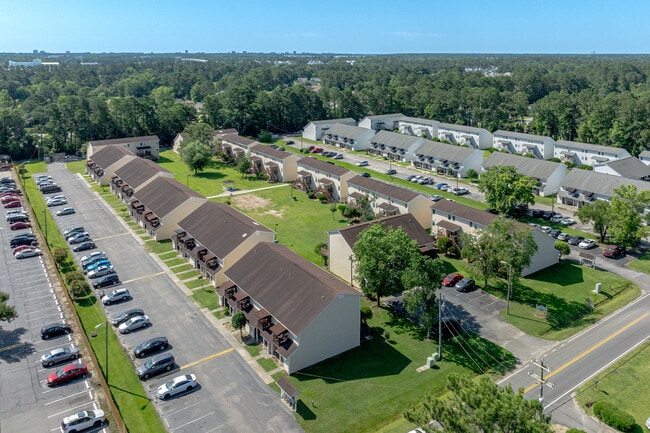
[105, 325]
[509, 285]
[553, 201]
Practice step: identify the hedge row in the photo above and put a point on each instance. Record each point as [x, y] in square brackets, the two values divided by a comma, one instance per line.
[614, 417]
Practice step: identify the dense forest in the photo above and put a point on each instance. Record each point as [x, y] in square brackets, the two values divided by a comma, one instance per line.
[594, 99]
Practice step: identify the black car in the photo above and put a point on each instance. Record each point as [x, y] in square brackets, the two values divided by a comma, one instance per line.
[22, 241]
[156, 365]
[554, 233]
[150, 346]
[88, 245]
[126, 315]
[106, 281]
[548, 215]
[576, 240]
[365, 174]
[465, 285]
[54, 330]
[537, 213]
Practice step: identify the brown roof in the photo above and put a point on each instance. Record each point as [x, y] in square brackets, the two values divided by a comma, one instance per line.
[449, 226]
[322, 166]
[124, 140]
[407, 222]
[238, 139]
[269, 151]
[387, 189]
[287, 387]
[289, 287]
[109, 155]
[163, 195]
[219, 227]
[470, 214]
[138, 171]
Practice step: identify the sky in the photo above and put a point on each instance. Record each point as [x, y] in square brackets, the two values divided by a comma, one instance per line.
[331, 26]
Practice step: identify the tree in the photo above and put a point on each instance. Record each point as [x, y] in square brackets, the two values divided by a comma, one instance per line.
[265, 137]
[196, 155]
[472, 174]
[502, 240]
[244, 165]
[60, 256]
[381, 256]
[474, 406]
[200, 132]
[627, 205]
[599, 214]
[333, 209]
[7, 312]
[424, 276]
[504, 188]
[562, 248]
[239, 322]
[79, 288]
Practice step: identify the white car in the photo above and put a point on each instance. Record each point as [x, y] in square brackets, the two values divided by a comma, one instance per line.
[82, 421]
[567, 221]
[58, 355]
[134, 323]
[587, 244]
[556, 218]
[31, 252]
[177, 385]
[362, 164]
[546, 229]
[91, 255]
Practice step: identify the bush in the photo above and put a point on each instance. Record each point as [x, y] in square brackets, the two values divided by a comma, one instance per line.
[614, 417]
[575, 430]
[73, 276]
[310, 195]
[79, 288]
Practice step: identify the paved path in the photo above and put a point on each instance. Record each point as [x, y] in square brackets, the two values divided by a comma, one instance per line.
[246, 191]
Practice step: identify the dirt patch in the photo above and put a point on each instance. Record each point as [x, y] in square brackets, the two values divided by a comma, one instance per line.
[250, 201]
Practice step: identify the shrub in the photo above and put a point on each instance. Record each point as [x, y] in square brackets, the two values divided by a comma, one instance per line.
[321, 197]
[60, 256]
[575, 430]
[73, 276]
[614, 417]
[310, 195]
[79, 288]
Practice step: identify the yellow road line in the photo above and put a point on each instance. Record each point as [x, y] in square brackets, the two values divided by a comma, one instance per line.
[143, 277]
[207, 358]
[588, 351]
[4, 349]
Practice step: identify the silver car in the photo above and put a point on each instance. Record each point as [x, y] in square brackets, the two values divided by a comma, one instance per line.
[134, 323]
[58, 355]
[100, 272]
[177, 385]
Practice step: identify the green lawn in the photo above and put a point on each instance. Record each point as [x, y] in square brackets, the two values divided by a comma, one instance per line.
[188, 274]
[168, 255]
[206, 298]
[253, 350]
[175, 261]
[195, 284]
[642, 264]
[623, 384]
[267, 364]
[181, 268]
[159, 247]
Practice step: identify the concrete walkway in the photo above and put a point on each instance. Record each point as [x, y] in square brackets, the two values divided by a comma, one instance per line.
[247, 191]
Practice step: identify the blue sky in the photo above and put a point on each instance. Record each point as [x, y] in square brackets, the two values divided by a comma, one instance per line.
[360, 27]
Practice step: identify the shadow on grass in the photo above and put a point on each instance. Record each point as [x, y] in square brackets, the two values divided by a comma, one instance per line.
[563, 273]
[561, 313]
[304, 411]
[86, 301]
[209, 175]
[478, 354]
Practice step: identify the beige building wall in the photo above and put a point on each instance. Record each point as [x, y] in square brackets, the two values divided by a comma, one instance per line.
[339, 260]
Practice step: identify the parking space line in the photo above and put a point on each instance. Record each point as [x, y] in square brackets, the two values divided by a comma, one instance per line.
[194, 420]
[184, 408]
[71, 409]
[143, 277]
[111, 236]
[66, 397]
[207, 358]
[38, 313]
[48, 295]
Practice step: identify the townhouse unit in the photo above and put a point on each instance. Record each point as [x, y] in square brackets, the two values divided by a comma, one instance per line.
[215, 236]
[135, 174]
[323, 177]
[159, 206]
[301, 313]
[451, 219]
[145, 147]
[103, 163]
[630, 168]
[424, 128]
[387, 199]
[394, 146]
[475, 138]
[524, 144]
[581, 187]
[644, 157]
[278, 165]
[387, 122]
[235, 146]
[587, 154]
[341, 242]
[447, 159]
[548, 174]
[217, 134]
[314, 130]
[348, 137]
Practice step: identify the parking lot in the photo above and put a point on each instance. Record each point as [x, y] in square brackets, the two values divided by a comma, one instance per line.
[230, 396]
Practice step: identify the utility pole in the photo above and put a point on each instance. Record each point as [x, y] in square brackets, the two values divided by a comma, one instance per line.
[540, 379]
[440, 301]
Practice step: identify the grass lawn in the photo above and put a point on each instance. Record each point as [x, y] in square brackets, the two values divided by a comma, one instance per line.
[188, 274]
[195, 284]
[370, 386]
[168, 255]
[206, 298]
[642, 264]
[175, 261]
[159, 247]
[267, 364]
[253, 350]
[623, 384]
[181, 268]
[219, 314]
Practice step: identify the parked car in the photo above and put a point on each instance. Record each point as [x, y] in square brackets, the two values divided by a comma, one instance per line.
[82, 421]
[126, 315]
[546, 229]
[55, 330]
[21, 248]
[177, 385]
[461, 191]
[436, 197]
[465, 285]
[556, 218]
[70, 230]
[22, 241]
[92, 256]
[338, 156]
[57, 202]
[118, 295]
[614, 251]
[554, 233]
[106, 281]
[534, 225]
[13, 204]
[147, 347]
[67, 373]
[59, 355]
[318, 150]
[414, 178]
[441, 186]
[81, 237]
[100, 272]
[548, 215]
[362, 164]
[575, 240]
[424, 180]
[365, 174]
[96, 264]
[156, 365]
[23, 254]
[567, 221]
[65, 211]
[536, 213]
[587, 244]
[18, 218]
[84, 246]
[134, 323]
[20, 225]
[390, 171]
[563, 237]
[289, 142]
[451, 279]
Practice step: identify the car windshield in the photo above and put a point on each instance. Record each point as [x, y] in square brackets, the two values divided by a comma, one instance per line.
[149, 364]
[147, 344]
[169, 384]
[60, 372]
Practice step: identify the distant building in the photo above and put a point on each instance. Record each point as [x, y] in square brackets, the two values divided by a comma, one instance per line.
[581, 187]
[474, 138]
[548, 174]
[447, 159]
[644, 157]
[348, 137]
[394, 146]
[387, 122]
[524, 144]
[630, 168]
[35, 62]
[144, 147]
[314, 130]
[587, 154]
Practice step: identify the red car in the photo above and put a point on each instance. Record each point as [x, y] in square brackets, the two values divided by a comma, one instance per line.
[20, 225]
[22, 247]
[67, 373]
[317, 150]
[9, 198]
[451, 280]
[8, 194]
[13, 204]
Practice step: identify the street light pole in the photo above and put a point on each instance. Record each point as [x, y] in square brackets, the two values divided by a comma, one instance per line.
[45, 224]
[105, 325]
[509, 295]
[553, 201]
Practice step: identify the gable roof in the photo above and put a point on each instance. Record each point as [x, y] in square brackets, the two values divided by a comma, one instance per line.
[599, 183]
[162, 195]
[387, 189]
[221, 132]
[465, 212]
[419, 121]
[310, 162]
[536, 168]
[139, 170]
[521, 136]
[109, 155]
[631, 168]
[238, 139]
[385, 116]
[393, 139]
[347, 120]
[219, 227]
[644, 154]
[293, 290]
[576, 145]
[407, 222]
[441, 151]
[347, 131]
[124, 140]
[262, 149]
[461, 128]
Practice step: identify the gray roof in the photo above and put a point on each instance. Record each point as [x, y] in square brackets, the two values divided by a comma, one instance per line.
[576, 145]
[535, 168]
[385, 116]
[124, 140]
[109, 155]
[387, 189]
[461, 128]
[394, 139]
[419, 120]
[238, 139]
[163, 195]
[347, 120]
[322, 166]
[644, 154]
[465, 212]
[521, 135]
[599, 183]
[346, 131]
[293, 290]
[139, 170]
[444, 151]
[631, 168]
[407, 222]
[269, 151]
[219, 227]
